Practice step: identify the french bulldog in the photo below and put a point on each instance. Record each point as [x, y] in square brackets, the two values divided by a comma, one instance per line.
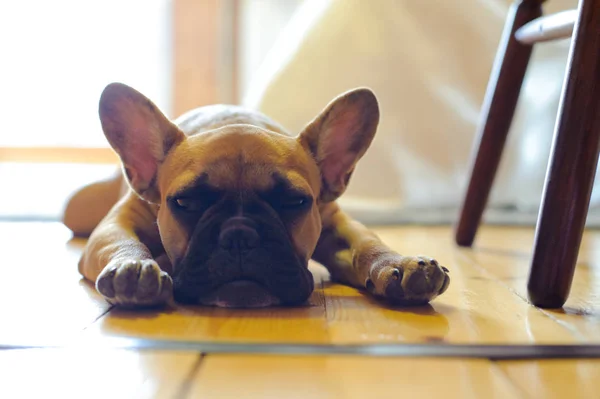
[224, 207]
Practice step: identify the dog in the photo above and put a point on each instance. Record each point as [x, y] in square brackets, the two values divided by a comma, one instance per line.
[224, 207]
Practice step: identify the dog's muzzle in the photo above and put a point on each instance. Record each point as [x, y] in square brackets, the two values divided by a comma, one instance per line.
[247, 264]
[239, 234]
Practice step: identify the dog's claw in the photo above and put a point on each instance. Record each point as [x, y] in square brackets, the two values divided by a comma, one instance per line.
[369, 285]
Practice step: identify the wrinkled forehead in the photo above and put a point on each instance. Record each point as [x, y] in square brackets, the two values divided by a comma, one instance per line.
[239, 159]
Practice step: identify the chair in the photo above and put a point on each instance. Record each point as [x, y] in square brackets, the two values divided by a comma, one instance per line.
[575, 147]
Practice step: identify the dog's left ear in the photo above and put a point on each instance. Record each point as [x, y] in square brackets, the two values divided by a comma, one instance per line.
[339, 136]
[140, 133]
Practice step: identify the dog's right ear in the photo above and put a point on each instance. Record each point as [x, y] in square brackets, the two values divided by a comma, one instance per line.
[140, 133]
[339, 136]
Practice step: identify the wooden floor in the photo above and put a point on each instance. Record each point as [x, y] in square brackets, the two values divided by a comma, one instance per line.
[44, 300]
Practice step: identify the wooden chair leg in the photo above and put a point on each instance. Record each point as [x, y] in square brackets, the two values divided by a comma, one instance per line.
[572, 167]
[498, 108]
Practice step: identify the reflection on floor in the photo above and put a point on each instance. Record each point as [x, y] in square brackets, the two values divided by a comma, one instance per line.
[43, 299]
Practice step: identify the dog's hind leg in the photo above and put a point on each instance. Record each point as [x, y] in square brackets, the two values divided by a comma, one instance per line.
[90, 204]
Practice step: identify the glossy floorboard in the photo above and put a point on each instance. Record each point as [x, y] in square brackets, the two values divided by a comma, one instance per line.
[42, 298]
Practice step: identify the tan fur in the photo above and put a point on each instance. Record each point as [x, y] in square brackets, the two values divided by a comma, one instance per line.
[239, 150]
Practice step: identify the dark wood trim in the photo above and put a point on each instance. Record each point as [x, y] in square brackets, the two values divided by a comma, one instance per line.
[434, 350]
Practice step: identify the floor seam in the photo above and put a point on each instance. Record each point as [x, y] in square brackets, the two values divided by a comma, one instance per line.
[186, 385]
[101, 315]
[495, 365]
[325, 310]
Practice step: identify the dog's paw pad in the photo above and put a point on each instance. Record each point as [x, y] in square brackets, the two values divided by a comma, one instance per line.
[135, 283]
[408, 280]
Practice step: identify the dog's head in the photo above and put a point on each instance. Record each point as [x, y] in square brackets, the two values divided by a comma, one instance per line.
[238, 205]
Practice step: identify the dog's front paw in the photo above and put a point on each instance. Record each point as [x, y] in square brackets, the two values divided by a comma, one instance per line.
[135, 283]
[407, 280]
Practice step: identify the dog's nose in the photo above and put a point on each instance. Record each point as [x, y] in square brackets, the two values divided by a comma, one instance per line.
[238, 233]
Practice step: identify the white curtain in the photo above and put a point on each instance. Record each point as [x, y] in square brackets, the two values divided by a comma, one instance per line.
[429, 64]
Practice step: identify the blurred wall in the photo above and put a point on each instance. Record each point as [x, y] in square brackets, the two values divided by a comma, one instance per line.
[429, 64]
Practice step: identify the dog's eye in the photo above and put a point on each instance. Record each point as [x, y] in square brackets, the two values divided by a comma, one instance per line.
[188, 204]
[294, 202]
